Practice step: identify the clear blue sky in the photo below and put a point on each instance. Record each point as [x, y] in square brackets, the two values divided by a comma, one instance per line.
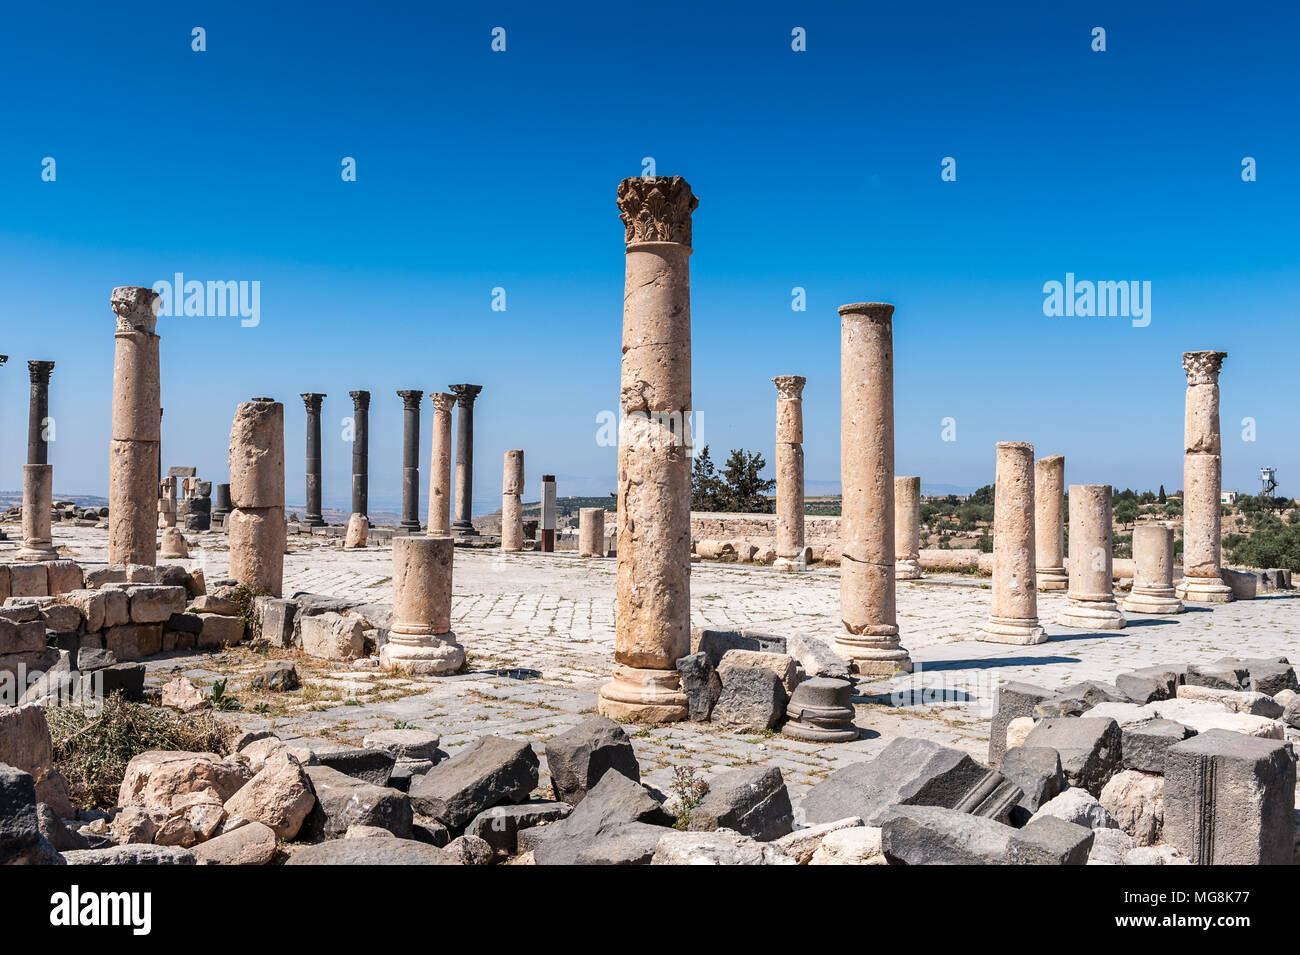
[818, 169]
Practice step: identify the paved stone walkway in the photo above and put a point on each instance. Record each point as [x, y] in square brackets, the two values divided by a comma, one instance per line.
[539, 631]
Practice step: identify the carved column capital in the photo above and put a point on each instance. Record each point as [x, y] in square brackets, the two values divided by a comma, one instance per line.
[136, 308]
[1203, 367]
[790, 386]
[656, 210]
[360, 400]
[312, 401]
[465, 394]
[442, 401]
[40, 371]
[411, 399]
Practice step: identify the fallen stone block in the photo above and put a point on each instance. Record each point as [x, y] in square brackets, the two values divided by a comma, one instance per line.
[89, 603]
[817, 658]
[278, 676]
[801, 844]
[752, 698]
[1222, 674]
[752, 801]
[860, 845]
[1271, 677]
[1148, 684]
[1136, 801]
[931, 835]
[483, 774]
[1036, 771]
[273, 620]
[1079, 807]
[578, 758]
[219, 631]
[156, 777]
[372, 765]
[500, 826]
[405, 743]
[701, 684]
[1234, 701]
[280, 796]
[781, 664]
[343, 801]
[21, 840]
[1109, 847]
[1089, 748]
[1012, 700]
[332, 636]
[1202, 717]
[614, 803]
[133, 854]
[253, 844]
[372, 852]
[1144, 744]
[715, 848]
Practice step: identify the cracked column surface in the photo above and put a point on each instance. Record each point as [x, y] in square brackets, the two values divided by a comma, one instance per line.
[512, 511]
[1013, 617]
[1202, 482]
[137, 426]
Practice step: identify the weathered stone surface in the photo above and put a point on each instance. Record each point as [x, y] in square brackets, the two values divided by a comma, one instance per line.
[273, 620]
[1050, 841]
[1148, 684]
[1222, 674]
[751, 697]
[25, 741]
[816, 657]
[59, 836]
[404, 743]
[1143, 744]
[1271, 677]
[1036, 770]
[715, 848]
[614, 803]
[27, 637]
[21, 840]
[253, 844]
[134, 641]
[781, 664]
[578, 758]
[857, 845]
[63, 576]
[219, 631]
[909, 772]
[134, 854]
[1234, 701]
[154, 603]
[372, 852]
[700, 683]
[1229, 799]
[469, 850]
[1109, 846]
[1079, 807]
[802, 844]
[343, 801]
[500, 825]
[1203, 716]
[931, 835]
[1013, 700]
[280, 796]
[156, 777]
[485, 773]
[1136, 801]
[278, 676]
[181, 694]
[375, 766]
[332, 636]
[1089, 748]
[753, 802]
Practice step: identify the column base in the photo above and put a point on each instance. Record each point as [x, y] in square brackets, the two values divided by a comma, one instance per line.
[821, 711]
[1092, 615]
[311, 520]
[1162, 602]
[173, 544]
[643, 696]
[874, 655]
[422, 655]
[37, 551]
[907, 569]
[463, 529]
[1053, 578]
[358, 532]
[790, 565]
[412, 526]
[1210, 590]
[1012, 630]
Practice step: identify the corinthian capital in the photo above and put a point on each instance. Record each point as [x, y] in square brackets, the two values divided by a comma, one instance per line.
[656, 210]
[1202, 367]
[442, 402]
[136, 308]
[40, 371]
[790, 386]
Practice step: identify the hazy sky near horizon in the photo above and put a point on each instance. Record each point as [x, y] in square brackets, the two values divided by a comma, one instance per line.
[820, 170]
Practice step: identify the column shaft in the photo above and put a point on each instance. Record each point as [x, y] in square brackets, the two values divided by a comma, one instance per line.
[38, 412]
[440, 466]
[907, 528]
[464, 523]
[411, 459]
[1049, 523]
[1092, 594]
[591, 532]
[257, 529]
[1014, 614]
[1153, 575]
[313, 518]
[512, 513]
[361, 453]
[137, 421]
[790, 552]
[421, 641]
[1202, 482]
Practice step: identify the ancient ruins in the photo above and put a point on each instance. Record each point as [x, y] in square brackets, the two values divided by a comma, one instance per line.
[728, 689]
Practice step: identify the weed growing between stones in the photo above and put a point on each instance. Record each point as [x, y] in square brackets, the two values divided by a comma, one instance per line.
[688, 792]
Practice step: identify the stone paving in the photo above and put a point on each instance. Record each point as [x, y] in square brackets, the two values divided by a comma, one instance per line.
[539, 632]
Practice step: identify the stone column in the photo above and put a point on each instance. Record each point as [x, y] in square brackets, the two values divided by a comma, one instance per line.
[411, 458]
[790, 554]
[512, 509]
[547, 525]
[360, 454]
[867, 609]
[440, 466]
[421, 641]
[257, 531]
[38, 412]
[652, 615]
[312, 402]
[591, 532]
[137, 426]
[169, 501]
[1092, 596]
[464, 524]
[1014, 615]
[1049, 522]
[222, 509]
[907, 528]
[1153, 576]
[1202, 482]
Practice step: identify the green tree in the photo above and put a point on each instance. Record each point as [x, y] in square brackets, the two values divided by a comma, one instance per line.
[745, 490]
[1126, 512]
[1160, 498]
[706, 487]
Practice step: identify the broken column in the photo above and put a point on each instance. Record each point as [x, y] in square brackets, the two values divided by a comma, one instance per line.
[1049, 522]
[421, 641]
[1202, 482]
[1014, 614]
[411, 459]
[907, 528]
[38, 474]
[790, 553]
[440, 466]
[512, 509]
[1092, 597]
[137, 425]
[221, 510]
[652, 616]
[257, 531]
[1153, 575]
[360, 454]
[591, 532]
[546, 529]
[312, 402]
[173, 544]
[464, 523]
[867, 609]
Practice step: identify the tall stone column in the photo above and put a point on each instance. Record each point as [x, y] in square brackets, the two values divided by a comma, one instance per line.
[1202, 482]
[790, 554]
[421, 641]
[512, 508]
[1153, 575]
[137, 430]
[907, 528]
[867, 609]
[222, 508]
[257, 531]
[546, 528]
[312, 402]
[1014, 615]
[1049, 522]
[464, 523]
[652, 615]
[440, 466]
[361, 453]
[38, 474]
[591, 532]
[411, 459]
[1092, 594]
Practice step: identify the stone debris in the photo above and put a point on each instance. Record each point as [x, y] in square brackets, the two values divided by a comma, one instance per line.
[486, 773]
[753, 802]
[579, 758]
